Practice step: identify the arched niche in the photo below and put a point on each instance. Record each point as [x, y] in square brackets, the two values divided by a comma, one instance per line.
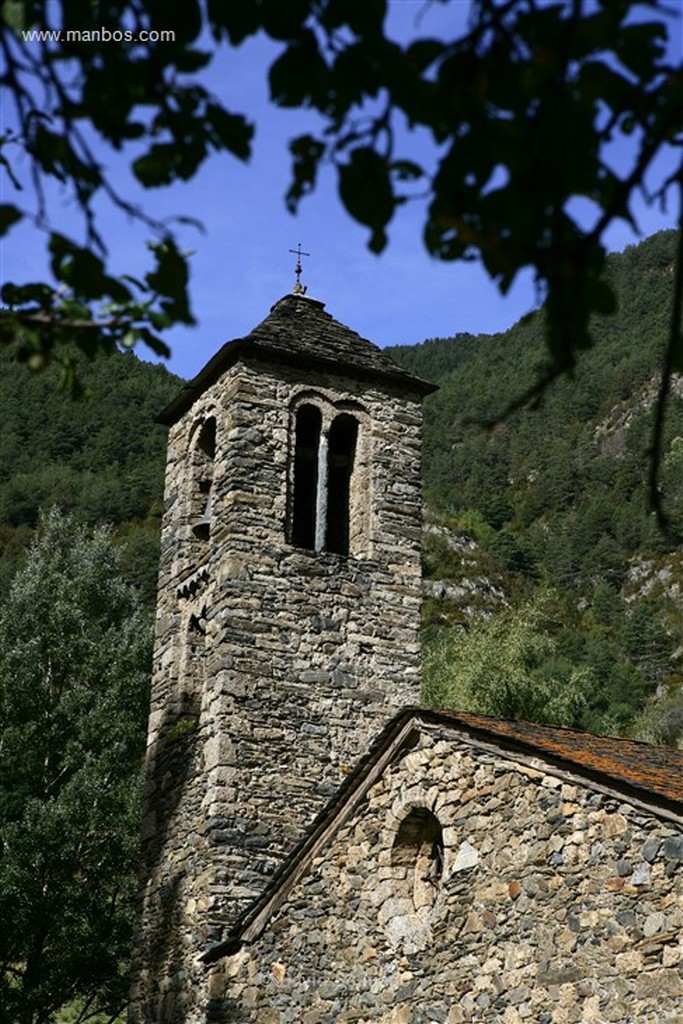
[308, 427]
[418, 854]
[341, 454]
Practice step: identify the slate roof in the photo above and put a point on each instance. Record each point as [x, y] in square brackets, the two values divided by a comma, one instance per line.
[648, 775]
[298, 331]
[651, 772]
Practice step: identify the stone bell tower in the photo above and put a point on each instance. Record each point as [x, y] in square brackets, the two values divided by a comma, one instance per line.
[287, 620]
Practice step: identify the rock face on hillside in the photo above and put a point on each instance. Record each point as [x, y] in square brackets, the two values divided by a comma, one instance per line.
[661, 577]
[458, 586]
[661, 580]
[611, 433]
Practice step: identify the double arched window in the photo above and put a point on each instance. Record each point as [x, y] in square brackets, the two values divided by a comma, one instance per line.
[325, 457]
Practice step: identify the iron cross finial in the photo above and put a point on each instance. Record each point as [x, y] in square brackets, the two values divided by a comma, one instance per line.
[299, 288]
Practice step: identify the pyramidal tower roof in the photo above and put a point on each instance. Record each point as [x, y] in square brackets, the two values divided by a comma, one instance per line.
[298, 331]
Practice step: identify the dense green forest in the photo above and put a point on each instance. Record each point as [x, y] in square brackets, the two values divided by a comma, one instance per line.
[556, 499]
[75, 662]
[75, 654]
[101, 458]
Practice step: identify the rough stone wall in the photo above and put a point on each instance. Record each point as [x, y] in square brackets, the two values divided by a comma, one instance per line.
[558, 903]
[275, 666]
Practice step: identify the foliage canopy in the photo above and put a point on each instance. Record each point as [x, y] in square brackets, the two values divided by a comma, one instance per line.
[556, 502]
[574, 470]
[101, 459]
[521, 110]
[546, 661]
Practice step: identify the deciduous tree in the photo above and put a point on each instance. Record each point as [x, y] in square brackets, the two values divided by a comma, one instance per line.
[74, 666]
[508, 666]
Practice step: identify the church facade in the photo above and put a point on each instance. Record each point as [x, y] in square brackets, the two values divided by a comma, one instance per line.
[313, 850]
[474, 870]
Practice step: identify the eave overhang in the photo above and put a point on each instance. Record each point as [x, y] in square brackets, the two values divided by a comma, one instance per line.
[340, 352]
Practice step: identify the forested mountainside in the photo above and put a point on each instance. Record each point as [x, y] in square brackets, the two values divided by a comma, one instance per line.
[586, 442]
[545, 518]
[101, 458]
[550, 593]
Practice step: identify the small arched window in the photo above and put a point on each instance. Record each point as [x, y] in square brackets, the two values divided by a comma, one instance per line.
[419, 850]
[204, 455]
[324, 460]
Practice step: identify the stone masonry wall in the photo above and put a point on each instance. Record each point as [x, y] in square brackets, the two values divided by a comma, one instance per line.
[558, 904]
[275, 666]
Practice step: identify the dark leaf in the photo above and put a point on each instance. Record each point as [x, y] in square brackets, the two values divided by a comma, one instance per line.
[192, 60]
[237, 19]
[84, 272]
[307, 153]
[21, 295]
[641, 47]
[231, 131]
[364, 17]
[365, 190]
[159, 347]
[170, 281]
[9, 215]
[184, 19]
[424, 53]
[298, 75]
[378, 241]
[157, 167]
[284, 20]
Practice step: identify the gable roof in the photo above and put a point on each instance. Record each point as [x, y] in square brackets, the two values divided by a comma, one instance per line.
[643, 774]
[299, 332]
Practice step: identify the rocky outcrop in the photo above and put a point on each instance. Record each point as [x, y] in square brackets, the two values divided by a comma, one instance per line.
[611, 434]
[458, 583]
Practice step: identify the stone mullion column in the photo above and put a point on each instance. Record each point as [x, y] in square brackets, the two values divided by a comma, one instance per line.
[321, 495]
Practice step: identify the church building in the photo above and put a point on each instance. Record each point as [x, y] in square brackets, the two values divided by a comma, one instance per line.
[316, 848]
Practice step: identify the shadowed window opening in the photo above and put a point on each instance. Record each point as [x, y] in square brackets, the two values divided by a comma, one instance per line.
[419, 849]
[196, 638]
[205, 452]
[308, 428]
[324, 459]
[341, 456]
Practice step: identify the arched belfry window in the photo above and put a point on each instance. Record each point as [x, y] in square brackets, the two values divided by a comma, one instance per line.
[324, 463]
[203, 464]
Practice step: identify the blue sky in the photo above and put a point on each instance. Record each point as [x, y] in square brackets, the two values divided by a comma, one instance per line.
[241, 263]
